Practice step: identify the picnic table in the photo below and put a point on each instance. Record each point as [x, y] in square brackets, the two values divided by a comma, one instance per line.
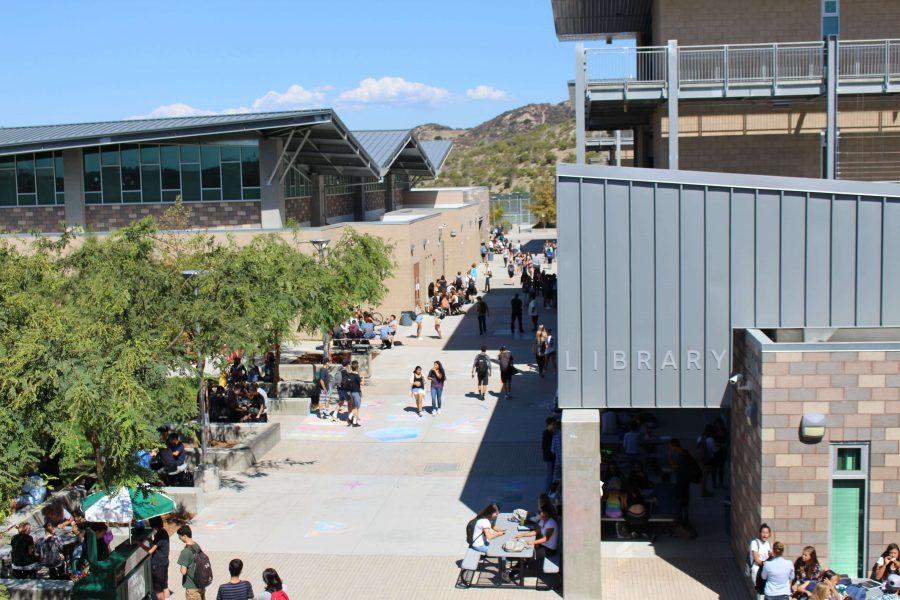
[495, 548]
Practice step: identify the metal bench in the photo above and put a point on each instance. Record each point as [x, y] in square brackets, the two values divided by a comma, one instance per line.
[549, 566]
[468, 567]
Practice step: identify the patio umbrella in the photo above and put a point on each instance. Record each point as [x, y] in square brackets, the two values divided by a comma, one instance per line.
[127, 505]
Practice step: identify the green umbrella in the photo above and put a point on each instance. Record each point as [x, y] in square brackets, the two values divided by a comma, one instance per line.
[128, 504]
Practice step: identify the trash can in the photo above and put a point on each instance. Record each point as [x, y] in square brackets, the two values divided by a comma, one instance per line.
[407, 318]
[727, 504]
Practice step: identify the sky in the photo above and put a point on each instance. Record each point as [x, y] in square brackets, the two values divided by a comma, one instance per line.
[378, 63]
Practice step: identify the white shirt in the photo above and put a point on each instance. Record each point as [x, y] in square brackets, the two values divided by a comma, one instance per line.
[265, 396]
[763, 548]
[532, 307]
[546, 526]
[478, 537]
[551, 344]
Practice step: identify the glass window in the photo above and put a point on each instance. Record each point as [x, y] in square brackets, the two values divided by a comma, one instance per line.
[250, 166]
[231, 181]
[190, 182]
[848, 524]
[8, 162]
[212, 194]
[43, 160]
[230, 153]
[46, 185]
[60, 198]
[171, 179]
[93, 197]
[112, 185]
[150, 155]
[190, 154]
[60, 172]
[209, 162]
[109, 156]
[131, 197]
[830, 7]
[92, 170]
[131, 167]
[150, 183]
[170, 195]
[25, 174]
[27, 199]
[251, 193]
[849, 459]
[7, 187]
[831, 26]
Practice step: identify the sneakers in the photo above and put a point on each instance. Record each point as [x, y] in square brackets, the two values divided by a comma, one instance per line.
[438, 411]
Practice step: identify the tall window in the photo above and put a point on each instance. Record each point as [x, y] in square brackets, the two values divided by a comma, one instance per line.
[33, 179]
[849, 508]
[135, 173]
[831, 17]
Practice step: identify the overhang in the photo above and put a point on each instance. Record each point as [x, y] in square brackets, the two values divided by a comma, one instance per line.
[437, 152]
[399, 150]
[594, 19]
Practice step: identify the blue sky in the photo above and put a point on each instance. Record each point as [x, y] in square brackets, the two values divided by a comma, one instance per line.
[380, 63]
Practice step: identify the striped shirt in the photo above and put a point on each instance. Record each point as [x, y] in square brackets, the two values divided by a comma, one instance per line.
[241, 590]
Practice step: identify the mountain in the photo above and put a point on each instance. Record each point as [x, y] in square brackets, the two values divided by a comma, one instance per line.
[510, 152]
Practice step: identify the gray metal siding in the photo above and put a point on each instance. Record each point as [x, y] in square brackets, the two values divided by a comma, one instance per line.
[658, 267]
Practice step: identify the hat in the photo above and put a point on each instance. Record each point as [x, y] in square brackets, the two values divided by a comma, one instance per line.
[892, 583]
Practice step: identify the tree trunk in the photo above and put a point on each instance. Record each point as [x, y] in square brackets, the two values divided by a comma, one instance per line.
[276, 372]
[98, 456]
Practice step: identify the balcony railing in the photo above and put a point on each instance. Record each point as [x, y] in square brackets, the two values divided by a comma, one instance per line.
[742, 65]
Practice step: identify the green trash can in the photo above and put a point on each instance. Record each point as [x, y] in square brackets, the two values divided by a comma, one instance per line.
[124, 575]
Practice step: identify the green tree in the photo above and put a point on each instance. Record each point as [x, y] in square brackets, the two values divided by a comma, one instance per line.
[496, 213]
[543, 202]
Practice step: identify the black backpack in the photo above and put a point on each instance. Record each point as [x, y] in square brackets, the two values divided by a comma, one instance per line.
[470, 531]
[203, 574]
[481, 363]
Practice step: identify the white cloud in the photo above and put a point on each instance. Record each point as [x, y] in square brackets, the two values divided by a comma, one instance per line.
[178, 109]
[486, 92]
[295, 97]
[394, 90]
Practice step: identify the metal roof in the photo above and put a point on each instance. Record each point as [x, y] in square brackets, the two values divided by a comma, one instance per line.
[437, 152]
[398, 150]
[592, 19]
[316, 140]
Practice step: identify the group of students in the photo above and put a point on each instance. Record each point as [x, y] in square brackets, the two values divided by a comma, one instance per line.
[363, 327]
[241, 395]
[777, 578]
[344, 381]
[436, 378]
[482, 369]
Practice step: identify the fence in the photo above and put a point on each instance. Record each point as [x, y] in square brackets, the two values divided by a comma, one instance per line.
[515, 207]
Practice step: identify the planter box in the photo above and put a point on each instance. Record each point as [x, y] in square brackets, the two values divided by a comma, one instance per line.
[187, 499]
[37, 589]
[297, 389]
[290, 406]
[301, 372]
[253, 441]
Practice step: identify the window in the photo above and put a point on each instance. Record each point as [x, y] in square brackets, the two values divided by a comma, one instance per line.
[831, 18]
[336, 185]
[133, 173]
[295, 185]
[32, 179]
[849, 508]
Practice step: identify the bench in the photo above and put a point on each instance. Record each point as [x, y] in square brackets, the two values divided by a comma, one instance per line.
[468, 567]
[655, 523]
[549, 566]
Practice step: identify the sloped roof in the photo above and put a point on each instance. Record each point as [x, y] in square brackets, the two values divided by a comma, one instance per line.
[437, 152]
[592, 19]
[398, 150]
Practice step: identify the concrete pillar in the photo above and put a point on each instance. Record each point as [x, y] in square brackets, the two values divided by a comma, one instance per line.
[359, 200]
[581, 503]
[271, 194]
[638, 148]
[73, 186]
[317, 217]
[672, 102]
[389, 193]
[580, 99]
[831, 58]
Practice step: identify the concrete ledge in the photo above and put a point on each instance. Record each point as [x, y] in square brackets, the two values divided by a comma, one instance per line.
[298, 372]
[297, 389]
[290, 406]
[37, 589]
[254, 440]
[187, 499]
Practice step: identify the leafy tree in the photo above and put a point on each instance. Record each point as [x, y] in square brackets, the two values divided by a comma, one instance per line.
[496, 213]
[543, 202]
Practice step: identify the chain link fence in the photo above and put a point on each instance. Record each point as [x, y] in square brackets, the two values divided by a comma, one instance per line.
[515, 208]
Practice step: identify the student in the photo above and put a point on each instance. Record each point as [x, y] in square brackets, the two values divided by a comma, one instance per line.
[188, 563]
[539, 348]
[23, 547]
[236, 588]
[887, 564]
[506, 363]
[436, 378]
[420, 319]
[806, 569]
[417, 388]
[484, 530]
[274, 588]
[50, 551]
[487, 278]
[482, 311]
[353, 383]
[550, 359]
[826, 589]
[516, 306]
[760, 550]
[326, 389]
[547, 532]
[616, 502]
[482, 367]
[533, 312]
[777, 572]
[706, 451]
[159, 558]
[547, 452]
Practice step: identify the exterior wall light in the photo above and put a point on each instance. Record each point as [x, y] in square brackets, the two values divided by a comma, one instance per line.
[452, 233]
[812, 428]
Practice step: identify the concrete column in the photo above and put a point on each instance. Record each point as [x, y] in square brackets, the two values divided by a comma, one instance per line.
[317, 216]
[389, 193]
[831, 58]
[359, 201]
[638, 148]
[73, 186]
[618, 149]
[271, 194]
[580, 87]
[581, 503]
[672, 102]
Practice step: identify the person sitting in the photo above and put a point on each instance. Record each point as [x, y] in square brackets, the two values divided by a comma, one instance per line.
[665, 497]
[368, 328]
[454, 304]
[386, 336]
[826, 589]
[887, 564]
[615, 501]
[57, 515]
[24, 557]
[172, 460]
[34, 491]
[238, 373]
[637, 478]
[806, 569]
[50, 551]
[483, 528]
[253, 375]
[256, 407]
[547, 532]
[268, 374]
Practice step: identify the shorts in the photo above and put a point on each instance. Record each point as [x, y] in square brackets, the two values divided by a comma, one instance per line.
[195, 594]
[417, 391]
[506, 375]
[420, 318]
[159, 575]
[355, 400]
[343, 396]
[482, 378]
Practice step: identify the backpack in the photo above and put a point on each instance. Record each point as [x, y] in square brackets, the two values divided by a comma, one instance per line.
[203, 574]
[856, 592]
[481, 363]
[470, 531]
[279, 595]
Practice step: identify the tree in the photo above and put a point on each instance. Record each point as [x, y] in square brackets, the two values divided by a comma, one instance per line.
[496, 213]
[543, 202]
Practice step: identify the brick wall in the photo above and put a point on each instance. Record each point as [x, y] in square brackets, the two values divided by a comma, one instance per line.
[338, 205]
[746, 450]
[298, 209]
[374, 200]
[23, 219]
[859, 392]
[204, 215]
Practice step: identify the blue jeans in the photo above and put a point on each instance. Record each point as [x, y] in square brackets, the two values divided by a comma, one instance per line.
[483, 548]
[551, 471]
[436, 397]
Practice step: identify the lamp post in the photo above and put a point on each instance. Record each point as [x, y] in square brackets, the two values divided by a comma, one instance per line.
[443, 252]
[191, 276]
[321, 245]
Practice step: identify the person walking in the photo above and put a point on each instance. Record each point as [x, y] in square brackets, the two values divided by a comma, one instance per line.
[353, 383]
[420, 319]
[507, 370]
[488, 273]
[482, 310]
[326, 388]
[547, 453]
[236, 588]
[417, 388]
[159, 558]
[539, 348]
[516, 305]
[436, 377]
[187, 561]
[550, 359]
[482, 367]
[533, 311]
[274, 588]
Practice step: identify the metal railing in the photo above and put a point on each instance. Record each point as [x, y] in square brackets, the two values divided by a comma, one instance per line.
[743, 63]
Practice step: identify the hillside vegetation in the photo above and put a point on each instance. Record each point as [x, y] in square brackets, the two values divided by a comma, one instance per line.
[512, 152]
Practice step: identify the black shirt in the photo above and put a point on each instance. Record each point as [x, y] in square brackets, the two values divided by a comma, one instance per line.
[23, 549]
[160, 558]
[546, 445]
[516, 305]
[352, 381]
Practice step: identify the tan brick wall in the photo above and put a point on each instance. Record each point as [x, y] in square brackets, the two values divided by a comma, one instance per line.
[25, 219]
[298, 209]
[859, 392]
[204, 215]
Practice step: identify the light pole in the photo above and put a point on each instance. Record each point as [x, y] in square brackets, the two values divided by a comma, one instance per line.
[321, 245]
[191, 276]
[443, 253]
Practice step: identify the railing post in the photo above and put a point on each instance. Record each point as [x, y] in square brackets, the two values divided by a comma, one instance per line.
[725, 70]
[831, 55]
[887, 64]
[672, 101]
[580, 99]
[774, 69]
